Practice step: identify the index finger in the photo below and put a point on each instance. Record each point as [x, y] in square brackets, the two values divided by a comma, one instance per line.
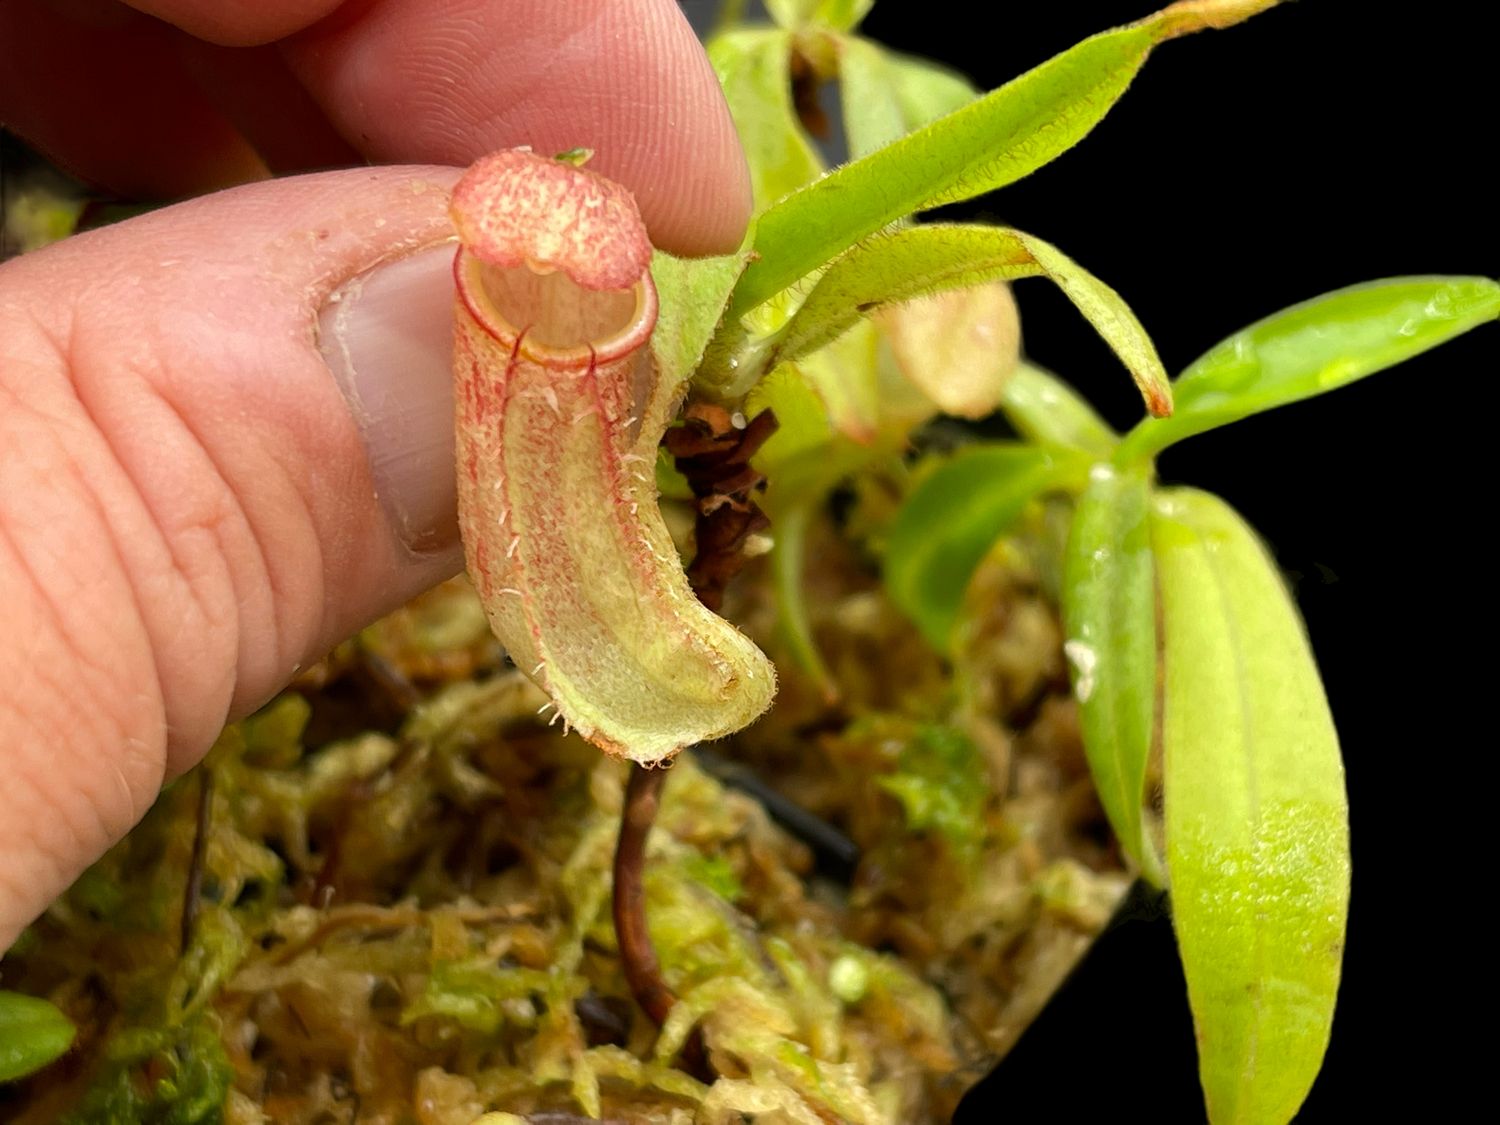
[444, 81]
[165, 106]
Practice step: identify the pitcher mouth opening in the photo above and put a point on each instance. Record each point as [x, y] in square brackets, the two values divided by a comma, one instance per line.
[558, 321]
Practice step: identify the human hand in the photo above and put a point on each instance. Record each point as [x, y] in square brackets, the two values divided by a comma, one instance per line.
[225, 427]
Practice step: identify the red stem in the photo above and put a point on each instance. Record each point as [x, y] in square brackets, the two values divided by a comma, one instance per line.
[637, 954]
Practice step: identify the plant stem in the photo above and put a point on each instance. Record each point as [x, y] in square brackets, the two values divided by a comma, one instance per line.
[637, 955]
[193, 891]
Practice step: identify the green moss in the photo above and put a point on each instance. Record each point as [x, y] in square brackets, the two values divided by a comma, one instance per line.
[165, 1076]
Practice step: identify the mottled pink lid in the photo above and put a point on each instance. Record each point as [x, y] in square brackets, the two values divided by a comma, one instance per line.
[514, 207]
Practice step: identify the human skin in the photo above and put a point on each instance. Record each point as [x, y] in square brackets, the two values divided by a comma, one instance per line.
[225, 427]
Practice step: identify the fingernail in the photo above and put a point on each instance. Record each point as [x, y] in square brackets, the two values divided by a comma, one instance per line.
[387, 335]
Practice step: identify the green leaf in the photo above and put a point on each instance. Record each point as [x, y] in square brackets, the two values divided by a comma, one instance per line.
[1046, 411]
[1314, 347]
[886, 95]
[799, 484]
[32, 1034]
[1109, 612]
[754, 67]
[927, 91]
[994, 141]
[790, 14]
[787, 561]
[691, 293]
[801, 416]
[873, 114]
[929, 259]
[1256, 817]
[840, 15]
[952, 519]
[846, 377]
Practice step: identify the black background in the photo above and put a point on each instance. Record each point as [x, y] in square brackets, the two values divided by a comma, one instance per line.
[1319, 145]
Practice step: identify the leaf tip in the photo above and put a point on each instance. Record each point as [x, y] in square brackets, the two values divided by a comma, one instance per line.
[1159, 400]
[1188, 16]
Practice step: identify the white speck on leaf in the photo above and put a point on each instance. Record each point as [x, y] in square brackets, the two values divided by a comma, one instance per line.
[1085, 663]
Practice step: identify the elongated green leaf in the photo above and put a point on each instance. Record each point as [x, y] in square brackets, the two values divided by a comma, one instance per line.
[800, 484]
[997, 140]
[790, 14]
[932, 258]
[840, 15]
[952, 519]
[32, 1034]
[787, 562]
[1256, 817]
[873, 113]
[926, 91]
[845, 376]
[1315, 347]
[1109, 612]
[1047, 411]
[753, 65]
[886, 95]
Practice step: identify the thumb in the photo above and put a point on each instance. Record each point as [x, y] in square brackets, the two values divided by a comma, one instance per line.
[225, 445]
